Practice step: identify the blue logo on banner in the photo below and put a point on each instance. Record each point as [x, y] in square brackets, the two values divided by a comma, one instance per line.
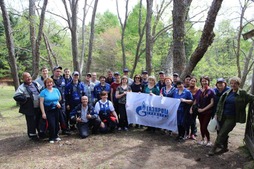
[145, 110]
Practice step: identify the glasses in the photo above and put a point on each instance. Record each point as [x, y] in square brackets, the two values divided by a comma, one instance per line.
[137, 77]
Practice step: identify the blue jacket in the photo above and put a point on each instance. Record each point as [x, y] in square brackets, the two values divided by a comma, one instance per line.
[74, 93]
[74, 113]
[98, 89]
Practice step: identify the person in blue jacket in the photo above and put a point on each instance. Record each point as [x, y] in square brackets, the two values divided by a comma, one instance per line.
[85, 117]
[102, 86]
[73, 93]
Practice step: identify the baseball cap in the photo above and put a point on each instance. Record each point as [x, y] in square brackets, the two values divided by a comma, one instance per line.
[116, 73]
[57, 67]
[221, 80]
[144, 72]
[161, 72]
[176, 74]
[89, 74]
[125, 70]
[75, 73]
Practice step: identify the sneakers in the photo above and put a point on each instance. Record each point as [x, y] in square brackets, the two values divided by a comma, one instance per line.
[202, 142]
[209, 144]
[192, 137]
[51, 141]
[57, 139]
[119, 129]
[126, 129]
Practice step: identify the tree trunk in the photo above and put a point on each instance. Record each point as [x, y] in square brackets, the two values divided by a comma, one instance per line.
[149, 39]
[90, 52]
[179, 15]
[10, 45]
[123, 26]
[206, 38]
[141, 32]
[83, 38]
[38, 41]
[32, 26]
[74, 36]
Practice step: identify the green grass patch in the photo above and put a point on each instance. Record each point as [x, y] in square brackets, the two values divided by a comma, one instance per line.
[7, 103]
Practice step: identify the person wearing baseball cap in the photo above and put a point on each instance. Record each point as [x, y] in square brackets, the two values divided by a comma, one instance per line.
[175, 79]
[125, 73]
[144, 77]
[161, 82]
[221, 87]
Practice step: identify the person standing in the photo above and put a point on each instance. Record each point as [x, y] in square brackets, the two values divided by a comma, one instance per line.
[94, 78]
[125, 73]
[102, 86]
[121, 93]
[168, 90]
[113, 88]
[50, 107]
[60, 84]
[67, 76]
[73, 93]
[204, 103]
[221, 87]
[44, 74]
[175, 78]
[110, 79]
[137, 85]
[27, 95]
[186, 99]
[191, 117]
[161, 82]
[89, 88]
[144, 78]
[231, 109]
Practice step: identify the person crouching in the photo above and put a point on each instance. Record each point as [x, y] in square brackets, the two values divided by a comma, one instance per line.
[107, 114]
[85, 117]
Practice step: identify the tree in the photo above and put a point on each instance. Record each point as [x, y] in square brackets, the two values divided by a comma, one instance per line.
[180, 8]
[206, 38]
[10, 44]
[149, 40]
[72, 23]
[35, 42]
[123, 27]
[90, 51]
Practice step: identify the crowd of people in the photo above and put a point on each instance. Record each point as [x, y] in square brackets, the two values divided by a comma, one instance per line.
[67, 102]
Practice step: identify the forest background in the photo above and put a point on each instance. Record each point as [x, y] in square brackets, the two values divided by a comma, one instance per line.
[184, 36]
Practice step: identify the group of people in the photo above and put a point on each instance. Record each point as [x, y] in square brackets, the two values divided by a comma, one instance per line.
[65, 102]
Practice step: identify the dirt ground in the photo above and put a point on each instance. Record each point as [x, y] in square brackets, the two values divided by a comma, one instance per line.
[133, 149]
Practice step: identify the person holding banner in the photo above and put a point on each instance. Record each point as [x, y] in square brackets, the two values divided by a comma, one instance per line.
[168, 90]
[186, 99]
[151, 89]
[121, 92]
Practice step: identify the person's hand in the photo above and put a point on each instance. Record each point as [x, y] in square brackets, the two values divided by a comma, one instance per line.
[191, 112]
[200, 110]
[88, 116]
[44, 116]
[78, 119]
[182, 100]
[68, 107]
[58, 105]
[102, 125]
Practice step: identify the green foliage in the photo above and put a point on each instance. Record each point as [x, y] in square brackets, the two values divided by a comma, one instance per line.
[105, 21]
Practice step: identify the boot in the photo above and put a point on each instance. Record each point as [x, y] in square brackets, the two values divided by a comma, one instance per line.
[212, 151]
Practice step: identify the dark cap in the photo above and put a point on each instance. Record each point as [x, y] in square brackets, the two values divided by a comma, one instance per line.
[57, 67]
[161, 72]
[125, 70]
[89, 74]
[75, 73]
[116, 73]
[144, 72]
[221, 80]
[176, 74]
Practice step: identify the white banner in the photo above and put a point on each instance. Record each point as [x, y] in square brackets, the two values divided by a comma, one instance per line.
[150, 110]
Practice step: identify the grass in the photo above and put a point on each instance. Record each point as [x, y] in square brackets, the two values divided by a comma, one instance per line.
[6, 98]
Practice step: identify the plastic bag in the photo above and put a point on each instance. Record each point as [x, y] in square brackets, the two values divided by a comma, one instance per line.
[213, 125]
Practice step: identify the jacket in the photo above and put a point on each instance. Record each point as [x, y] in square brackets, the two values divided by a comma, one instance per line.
[241, 100]
[74, 113]
[25, 98]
